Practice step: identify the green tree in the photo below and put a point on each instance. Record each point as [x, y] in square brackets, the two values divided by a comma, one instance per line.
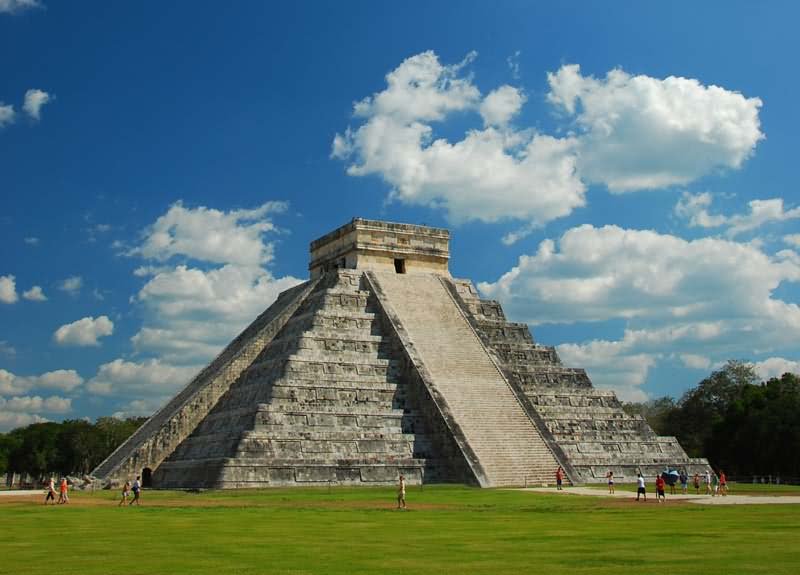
[703, 408]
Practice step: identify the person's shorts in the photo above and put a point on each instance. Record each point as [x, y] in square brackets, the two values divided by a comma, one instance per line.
[640, 490]
[660, 492]
[558, 482]
[611, 483]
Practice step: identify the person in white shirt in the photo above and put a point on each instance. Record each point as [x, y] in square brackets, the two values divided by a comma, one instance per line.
[51, 492]
[137, 488]
[640, 489]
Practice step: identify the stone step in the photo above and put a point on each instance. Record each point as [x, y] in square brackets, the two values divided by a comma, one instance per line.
[391, 422]
[379, 369]
[526, 353]
[364, 322]
[528, 377]
[581, 412]
[334, 408]
[350, 342]
[322, 395]
[339, 384]
[333, 299]
[258, 472]
[612, 435]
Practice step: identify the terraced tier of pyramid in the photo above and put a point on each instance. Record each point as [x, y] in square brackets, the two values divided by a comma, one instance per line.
[380, 365]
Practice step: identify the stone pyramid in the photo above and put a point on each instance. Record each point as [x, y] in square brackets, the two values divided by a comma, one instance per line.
[383, 364]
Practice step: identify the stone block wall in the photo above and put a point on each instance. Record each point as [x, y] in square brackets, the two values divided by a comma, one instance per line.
[329, 400]
[164, 431]
[589, 425]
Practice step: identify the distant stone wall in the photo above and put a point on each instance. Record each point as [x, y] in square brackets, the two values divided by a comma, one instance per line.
[161, 434]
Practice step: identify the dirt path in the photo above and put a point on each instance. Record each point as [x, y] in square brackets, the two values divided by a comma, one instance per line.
[688, 498]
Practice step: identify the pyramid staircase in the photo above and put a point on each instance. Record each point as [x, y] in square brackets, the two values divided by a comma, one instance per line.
[506, 444]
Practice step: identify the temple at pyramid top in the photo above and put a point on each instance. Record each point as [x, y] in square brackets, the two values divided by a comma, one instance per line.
[377, 245]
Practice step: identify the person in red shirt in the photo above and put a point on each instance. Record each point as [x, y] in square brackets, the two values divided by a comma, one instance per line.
[559, 477]
[660, 495]
[63, 489]
[723, 483]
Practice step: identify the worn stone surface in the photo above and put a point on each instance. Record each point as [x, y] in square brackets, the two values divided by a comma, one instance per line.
[381, 365]
[588, 425]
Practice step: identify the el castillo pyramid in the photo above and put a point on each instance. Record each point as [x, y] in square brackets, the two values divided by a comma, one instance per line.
[383, 364]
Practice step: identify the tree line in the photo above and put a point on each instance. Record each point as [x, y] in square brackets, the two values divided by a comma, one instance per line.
[71, 447]
[740, 424]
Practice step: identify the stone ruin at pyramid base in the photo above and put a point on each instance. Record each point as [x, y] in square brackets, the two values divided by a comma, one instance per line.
[383, 364]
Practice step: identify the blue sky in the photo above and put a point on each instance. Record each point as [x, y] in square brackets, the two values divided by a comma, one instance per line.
[618, 175]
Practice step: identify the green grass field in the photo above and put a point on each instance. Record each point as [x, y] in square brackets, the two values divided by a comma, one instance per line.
[447, 529]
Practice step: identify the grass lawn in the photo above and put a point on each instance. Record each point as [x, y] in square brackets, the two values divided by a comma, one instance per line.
[448, 529]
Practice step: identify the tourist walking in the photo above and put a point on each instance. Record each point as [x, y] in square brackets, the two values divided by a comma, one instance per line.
[610, 478]
[660, 496]
[559, 478]
[714, 484]
[708, 483]
[697, 483]
[640, 489]
[401, 493]
[723, 483]
[51, 492]
[63, 496]
[137, 488]
[684, 478]
[126, 491]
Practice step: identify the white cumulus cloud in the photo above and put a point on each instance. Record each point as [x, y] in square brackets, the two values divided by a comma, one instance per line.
[491, 174]
[627, 132]
[52, 404]
[709, 297]
[34, 100]
[7, 114]
[8, 289]
[12, 420]
[639, 132]
[211, 235]
[17, 5]
[695, 361]
[694, 208]
[72, 285]
[84, 332]
[776, 367]
[61, 379]
[501, 105]
[148, 378]
[34, 294]
[192, 311]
